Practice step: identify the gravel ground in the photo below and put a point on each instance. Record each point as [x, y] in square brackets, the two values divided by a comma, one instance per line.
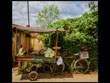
[65, 77]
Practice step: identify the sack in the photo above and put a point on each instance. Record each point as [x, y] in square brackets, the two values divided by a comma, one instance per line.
[59, 61]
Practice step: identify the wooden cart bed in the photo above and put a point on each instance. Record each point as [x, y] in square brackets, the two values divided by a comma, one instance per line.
[35, 59]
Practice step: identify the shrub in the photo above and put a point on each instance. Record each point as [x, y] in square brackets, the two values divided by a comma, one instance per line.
[81, 35]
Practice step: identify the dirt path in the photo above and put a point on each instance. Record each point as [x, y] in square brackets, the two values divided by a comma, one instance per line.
[65, 77]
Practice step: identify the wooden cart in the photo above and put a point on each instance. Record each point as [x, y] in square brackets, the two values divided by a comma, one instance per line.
[38, 60]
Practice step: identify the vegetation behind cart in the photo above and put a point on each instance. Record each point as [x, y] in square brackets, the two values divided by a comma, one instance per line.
[81, 35]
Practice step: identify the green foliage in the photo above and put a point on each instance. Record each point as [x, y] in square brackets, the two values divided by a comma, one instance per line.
[81, 35]
[48, 16]
[25, 66]
[92, 6]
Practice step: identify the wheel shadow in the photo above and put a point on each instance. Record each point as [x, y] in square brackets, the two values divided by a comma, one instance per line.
[48, 76]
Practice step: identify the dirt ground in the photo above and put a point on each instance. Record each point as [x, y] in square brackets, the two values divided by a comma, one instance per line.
[65, 77]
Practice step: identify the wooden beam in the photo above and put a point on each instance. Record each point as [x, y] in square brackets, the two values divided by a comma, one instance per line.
[56, 44]
[19, 66]
[23, 58]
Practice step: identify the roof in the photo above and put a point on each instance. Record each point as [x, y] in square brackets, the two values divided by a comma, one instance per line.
[14, 25]
[34, 34]
[36, 29]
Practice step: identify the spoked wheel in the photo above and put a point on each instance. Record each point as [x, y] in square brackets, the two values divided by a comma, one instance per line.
[33, 75]
[56, 69]
[81, 66]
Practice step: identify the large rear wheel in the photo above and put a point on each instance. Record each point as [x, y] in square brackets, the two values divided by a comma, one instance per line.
[81, 66]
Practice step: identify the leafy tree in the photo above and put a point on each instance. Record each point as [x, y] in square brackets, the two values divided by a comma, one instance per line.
[48, 16]
[92, 6]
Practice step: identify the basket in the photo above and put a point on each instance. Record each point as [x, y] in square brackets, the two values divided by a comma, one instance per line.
[84, 55]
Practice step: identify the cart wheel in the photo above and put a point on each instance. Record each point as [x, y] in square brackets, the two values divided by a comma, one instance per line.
[33, 75]
[56, 69]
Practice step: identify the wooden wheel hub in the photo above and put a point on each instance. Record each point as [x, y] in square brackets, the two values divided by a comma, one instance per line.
[33, 75]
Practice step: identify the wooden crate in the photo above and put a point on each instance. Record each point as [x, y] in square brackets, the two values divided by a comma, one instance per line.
[84, 55]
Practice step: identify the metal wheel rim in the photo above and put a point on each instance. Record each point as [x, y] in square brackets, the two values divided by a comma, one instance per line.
[78, 61]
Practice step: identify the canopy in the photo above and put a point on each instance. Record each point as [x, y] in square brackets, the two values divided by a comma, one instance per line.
[37, 30]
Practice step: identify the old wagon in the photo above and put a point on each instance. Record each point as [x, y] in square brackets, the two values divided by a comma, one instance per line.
[38, 60]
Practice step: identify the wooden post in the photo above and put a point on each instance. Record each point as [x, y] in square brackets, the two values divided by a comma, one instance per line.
[28, 45]
[56, 44]
[15, 41]
[15, 35]
[34, 43]
[29, 41]
[19, 66]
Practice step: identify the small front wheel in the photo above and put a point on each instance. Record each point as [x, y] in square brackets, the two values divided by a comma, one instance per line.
[81, 66]
[33, 75]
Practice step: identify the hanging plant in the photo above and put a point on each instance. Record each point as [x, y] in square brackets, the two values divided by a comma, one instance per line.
[40, 37]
